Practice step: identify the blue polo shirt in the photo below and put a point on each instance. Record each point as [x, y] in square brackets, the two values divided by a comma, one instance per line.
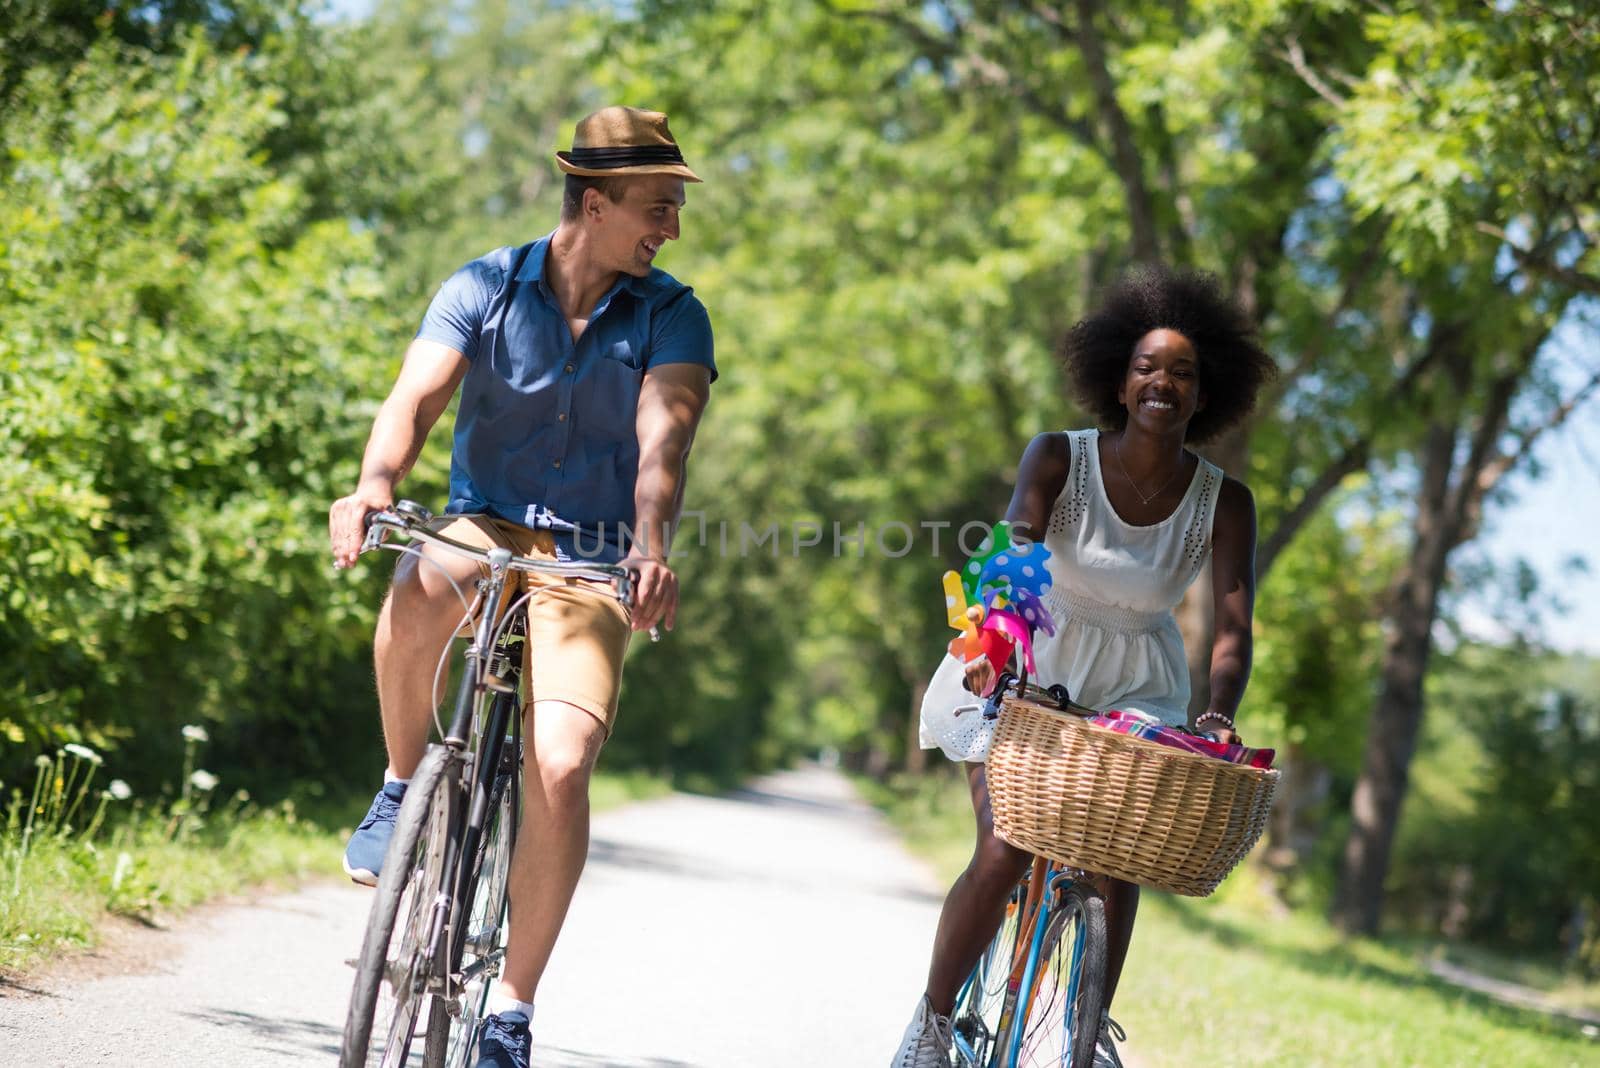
[544, 432]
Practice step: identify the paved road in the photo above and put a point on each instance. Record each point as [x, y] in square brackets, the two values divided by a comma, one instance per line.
[780, 926]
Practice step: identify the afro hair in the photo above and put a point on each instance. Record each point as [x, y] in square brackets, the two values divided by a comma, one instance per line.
[1233, 365]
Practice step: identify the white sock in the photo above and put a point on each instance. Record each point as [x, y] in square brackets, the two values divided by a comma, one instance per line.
[503, 1002]
[389, 776]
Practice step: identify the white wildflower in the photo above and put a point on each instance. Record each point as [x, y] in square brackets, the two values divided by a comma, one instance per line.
[119, 790]
[124, 866]
[193, 733]
[203, 780]
[43, 760]
[83, 752]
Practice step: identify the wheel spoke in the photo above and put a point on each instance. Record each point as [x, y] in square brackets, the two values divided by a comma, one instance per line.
[1064, 1013]
[483, 942]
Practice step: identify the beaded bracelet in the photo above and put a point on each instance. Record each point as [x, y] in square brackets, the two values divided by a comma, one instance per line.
[1218, 716]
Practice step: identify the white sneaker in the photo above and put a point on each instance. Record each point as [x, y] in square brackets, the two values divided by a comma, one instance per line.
[1105, 1050]
[927, 1040]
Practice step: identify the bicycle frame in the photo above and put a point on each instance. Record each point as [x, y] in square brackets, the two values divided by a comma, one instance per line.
[1047, 886]
[1045, 881]
[481, 677]
[464, 831]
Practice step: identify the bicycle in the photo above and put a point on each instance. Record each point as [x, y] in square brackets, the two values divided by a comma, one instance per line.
[1037, 994]
[437, 926]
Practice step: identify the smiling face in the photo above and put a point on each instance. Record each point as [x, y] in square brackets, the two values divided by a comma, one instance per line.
[1161, 389]
[627, 233]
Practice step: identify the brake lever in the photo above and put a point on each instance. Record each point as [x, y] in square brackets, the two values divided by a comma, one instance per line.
[376, 530]
[991, 705]
[624, 587]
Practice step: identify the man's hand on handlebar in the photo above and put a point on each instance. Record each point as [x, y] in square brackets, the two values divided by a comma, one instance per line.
[655, 591]
[346, 520]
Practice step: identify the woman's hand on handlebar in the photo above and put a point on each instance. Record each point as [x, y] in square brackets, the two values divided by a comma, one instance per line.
[979, 676]
[346, 520]
[1226, 737]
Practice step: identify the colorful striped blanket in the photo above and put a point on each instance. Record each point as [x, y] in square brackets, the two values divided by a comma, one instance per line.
[1142, 725]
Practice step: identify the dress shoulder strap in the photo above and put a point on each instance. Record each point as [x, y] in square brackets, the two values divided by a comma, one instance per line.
[1074, 496]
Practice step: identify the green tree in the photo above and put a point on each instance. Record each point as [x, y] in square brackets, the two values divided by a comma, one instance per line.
[185, 319]
[1470, 132]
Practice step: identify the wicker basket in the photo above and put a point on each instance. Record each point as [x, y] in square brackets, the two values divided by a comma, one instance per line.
[1111, 803]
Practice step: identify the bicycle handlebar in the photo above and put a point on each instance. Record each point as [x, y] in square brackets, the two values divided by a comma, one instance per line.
[1010, 684]
[412, 519]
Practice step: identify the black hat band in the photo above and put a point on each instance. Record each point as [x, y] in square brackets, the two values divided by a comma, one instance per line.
[605, 159]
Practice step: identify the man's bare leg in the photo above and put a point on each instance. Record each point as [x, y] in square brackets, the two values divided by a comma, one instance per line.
[553, 842]
[420, 614]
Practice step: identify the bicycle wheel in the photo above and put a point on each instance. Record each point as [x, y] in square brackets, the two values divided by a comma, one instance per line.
[977, 1022]
[1063, 1016]
[453, 1023]
[391, 972]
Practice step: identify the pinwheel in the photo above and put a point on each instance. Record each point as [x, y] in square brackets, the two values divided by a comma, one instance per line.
[997, 600]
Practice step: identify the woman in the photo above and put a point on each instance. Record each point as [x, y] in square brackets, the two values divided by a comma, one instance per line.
[1130, 516]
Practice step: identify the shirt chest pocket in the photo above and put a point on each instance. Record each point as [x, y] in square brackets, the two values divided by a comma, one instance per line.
[624, 352]
[608, 394]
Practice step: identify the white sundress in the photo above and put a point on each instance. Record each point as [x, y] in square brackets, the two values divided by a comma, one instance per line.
[1113, 587]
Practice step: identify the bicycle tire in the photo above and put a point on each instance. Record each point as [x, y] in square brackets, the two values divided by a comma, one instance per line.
[423, 815]
[978, 1017]
[449, 1041]
[1062, 1021]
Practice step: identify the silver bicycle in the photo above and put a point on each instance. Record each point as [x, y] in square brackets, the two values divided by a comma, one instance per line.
[436, 933]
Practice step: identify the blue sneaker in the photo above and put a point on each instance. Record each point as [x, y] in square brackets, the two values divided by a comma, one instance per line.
[363, 857]
[504, 1041]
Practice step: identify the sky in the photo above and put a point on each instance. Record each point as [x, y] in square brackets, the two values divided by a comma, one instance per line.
[1553, 520]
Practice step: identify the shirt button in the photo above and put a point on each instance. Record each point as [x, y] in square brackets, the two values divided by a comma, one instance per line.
[569, 368]
[556, 463]
[562, 418]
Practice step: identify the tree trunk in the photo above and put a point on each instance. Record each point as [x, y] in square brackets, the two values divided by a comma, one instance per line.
[1196, 613]
[1125, 157]
[1397, 718]
[1294, 824]
[1449, 506]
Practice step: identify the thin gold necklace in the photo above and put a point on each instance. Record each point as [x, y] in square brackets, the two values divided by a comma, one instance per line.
[1116, 447]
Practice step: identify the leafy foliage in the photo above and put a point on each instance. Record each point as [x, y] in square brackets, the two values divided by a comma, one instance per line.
[1499, 845]
[185, 346]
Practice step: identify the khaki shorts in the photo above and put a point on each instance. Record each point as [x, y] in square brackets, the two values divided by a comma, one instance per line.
[577, 631]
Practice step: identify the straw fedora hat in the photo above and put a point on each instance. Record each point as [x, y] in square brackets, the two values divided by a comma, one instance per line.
[621, 140]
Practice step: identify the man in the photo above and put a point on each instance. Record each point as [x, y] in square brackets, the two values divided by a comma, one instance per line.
[583, 374]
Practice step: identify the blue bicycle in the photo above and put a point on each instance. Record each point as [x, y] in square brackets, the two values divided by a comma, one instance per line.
[1037, 995]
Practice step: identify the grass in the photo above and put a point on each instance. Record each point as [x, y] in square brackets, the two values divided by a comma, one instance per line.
[613, 789]
[1237, 980]
[72, 855]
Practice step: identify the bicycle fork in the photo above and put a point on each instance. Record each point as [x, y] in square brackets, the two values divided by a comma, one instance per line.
[464, 832]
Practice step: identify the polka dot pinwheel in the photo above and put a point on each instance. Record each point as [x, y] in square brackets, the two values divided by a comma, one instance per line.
[997, 599]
